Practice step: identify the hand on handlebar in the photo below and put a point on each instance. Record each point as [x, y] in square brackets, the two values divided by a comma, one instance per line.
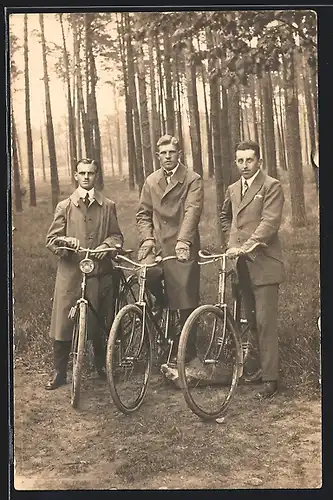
[147, 247]
[68, 241]
[233, 252]
[182, 251]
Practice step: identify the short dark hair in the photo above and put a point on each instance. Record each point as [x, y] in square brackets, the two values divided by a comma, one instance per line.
[87, 161]
[243, 145]
[168, 139]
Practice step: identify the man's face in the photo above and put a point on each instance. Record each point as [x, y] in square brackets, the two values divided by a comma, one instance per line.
[168, 154]
[85, 175]
[247, 163]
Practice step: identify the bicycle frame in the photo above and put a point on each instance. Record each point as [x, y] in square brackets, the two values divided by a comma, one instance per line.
[145, 307]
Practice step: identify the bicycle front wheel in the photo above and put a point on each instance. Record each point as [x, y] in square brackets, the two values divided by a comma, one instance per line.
[209, 381]
[78, 344]
[128, 359]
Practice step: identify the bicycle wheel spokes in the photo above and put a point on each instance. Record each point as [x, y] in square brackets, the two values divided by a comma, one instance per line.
[78, 345]
[129, 359]
[210, 379]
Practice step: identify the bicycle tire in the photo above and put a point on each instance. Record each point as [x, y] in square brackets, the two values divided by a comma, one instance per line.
[78, 346]
[209, 381]
[129, 350]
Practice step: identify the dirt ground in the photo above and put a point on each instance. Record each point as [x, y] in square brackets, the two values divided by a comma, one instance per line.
[270, 444]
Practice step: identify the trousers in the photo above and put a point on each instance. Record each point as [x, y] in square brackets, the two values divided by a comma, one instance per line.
[261, 306]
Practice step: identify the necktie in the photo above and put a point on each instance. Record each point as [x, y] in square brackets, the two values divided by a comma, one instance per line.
[245, 188]
[167, 175]
[86, 200]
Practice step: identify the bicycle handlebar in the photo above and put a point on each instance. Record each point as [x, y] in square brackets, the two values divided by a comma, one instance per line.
[116, 248]
[205, 255]
[158, 261]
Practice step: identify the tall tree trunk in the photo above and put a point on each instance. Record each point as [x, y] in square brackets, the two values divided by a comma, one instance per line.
[19, 157]
[97, 148]
[42, 153]
[110, 147]
[230, 172]
[143, 103]
[160, 78]
[32, 186]
[282, 108]
[88, 136]
[192, 98]
[178, 99]
[118, 135]
[253, 107]
[79, 95]
[262, 123]
[214, 86]
[15, 165]
[295, 171]
[49, 123]
[234, 114]
[309, 106]
[71, 125]
[155, 124]
[139, 174]
[131, 154]
[281, 148]
[169, 107]
[208, 124]
[268, 123]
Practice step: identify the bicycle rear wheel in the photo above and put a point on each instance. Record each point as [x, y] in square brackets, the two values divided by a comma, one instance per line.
[209, 381]
[78, 344]
[128, 359]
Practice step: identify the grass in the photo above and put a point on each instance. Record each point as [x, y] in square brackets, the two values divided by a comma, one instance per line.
[34, 274]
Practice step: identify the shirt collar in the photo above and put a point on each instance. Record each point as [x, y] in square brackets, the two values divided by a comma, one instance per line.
[83, 192]
[173, 170]
[251, 179]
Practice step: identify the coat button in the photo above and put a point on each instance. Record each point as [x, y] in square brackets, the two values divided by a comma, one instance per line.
[238, 239]
[240, 227]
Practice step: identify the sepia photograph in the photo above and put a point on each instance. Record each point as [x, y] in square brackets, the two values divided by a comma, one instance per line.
[164, 183]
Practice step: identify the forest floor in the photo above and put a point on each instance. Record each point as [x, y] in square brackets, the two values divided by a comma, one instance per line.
[268, 444]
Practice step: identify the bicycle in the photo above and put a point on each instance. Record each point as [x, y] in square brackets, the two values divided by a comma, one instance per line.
[124, 293]
[131, 344]
[223, 343]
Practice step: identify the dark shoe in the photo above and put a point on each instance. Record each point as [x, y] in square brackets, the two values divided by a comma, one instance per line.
[58, 380]
[268, 390]
[173, 361]
[253, 378]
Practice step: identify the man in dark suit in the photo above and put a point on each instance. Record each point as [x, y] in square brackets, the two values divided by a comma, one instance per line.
[167, 219]
[251, 214]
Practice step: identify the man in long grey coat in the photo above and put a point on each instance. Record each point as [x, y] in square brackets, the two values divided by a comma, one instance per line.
[87, 219]
[168, 216]
[252, 213]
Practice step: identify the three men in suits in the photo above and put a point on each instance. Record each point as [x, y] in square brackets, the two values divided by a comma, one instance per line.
[167, 219]
[251, 214]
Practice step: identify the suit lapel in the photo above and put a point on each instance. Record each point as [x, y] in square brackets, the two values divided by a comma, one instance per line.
[178, 177]
[251, 192]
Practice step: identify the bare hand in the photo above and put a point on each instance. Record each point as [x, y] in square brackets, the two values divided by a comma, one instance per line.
[234, 252]
[72, 243]
[147, 247]
[182, 251]
[101, 255]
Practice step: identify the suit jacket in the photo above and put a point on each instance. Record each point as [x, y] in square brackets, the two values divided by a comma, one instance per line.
[168, 213]
[93, 226]
[256, 218]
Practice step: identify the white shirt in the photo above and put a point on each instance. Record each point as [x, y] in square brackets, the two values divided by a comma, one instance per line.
[83, 192]
[168, 177]
[249, 181]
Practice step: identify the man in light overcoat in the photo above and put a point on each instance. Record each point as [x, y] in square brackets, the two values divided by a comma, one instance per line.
[167, 219]
[88, 219]
[252, 213]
